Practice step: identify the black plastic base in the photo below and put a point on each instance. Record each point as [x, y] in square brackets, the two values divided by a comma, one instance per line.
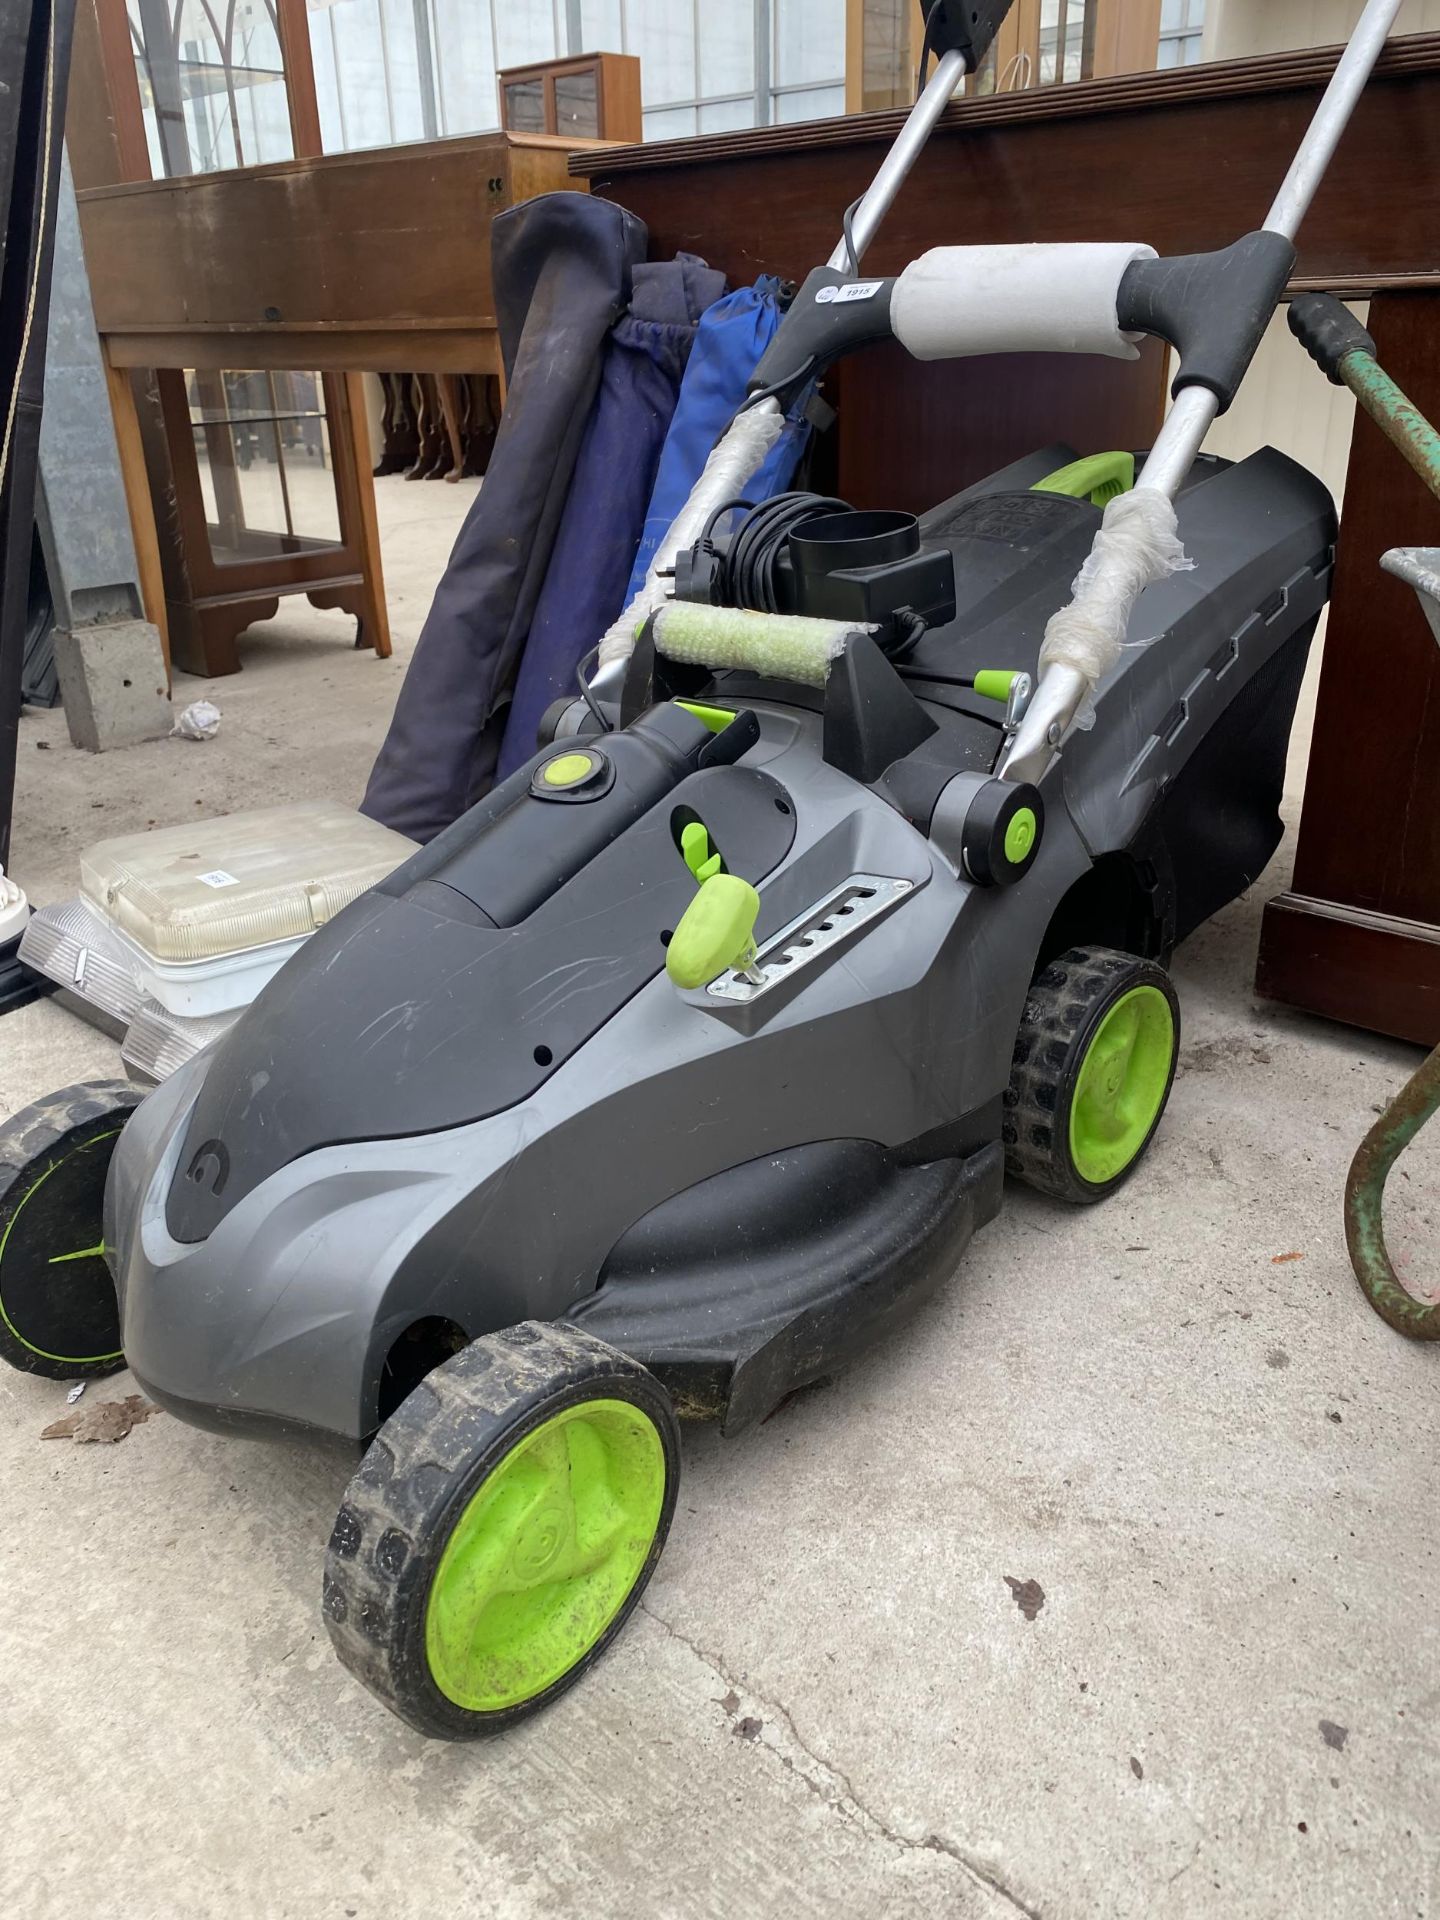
[765, 1278]
[18, 985]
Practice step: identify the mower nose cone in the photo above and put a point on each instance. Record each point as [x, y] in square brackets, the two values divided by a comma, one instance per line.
[271, 1320]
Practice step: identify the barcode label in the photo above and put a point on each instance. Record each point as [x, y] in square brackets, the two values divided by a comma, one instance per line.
[852, 290]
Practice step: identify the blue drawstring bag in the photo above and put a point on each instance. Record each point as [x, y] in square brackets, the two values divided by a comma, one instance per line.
[733, 334]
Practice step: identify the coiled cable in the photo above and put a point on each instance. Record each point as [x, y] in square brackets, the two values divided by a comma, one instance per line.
[745, 570]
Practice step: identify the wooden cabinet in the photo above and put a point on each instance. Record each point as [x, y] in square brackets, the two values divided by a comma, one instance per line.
[376, 262]
[595, 96]
[239, 306]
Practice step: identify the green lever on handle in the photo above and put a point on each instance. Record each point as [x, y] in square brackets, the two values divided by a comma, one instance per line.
[716, 931]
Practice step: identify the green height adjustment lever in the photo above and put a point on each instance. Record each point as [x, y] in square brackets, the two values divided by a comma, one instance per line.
[1010, 687]
[717, 929]
[695, 845]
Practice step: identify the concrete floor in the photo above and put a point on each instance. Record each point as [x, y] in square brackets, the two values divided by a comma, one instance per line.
[1173, 1412]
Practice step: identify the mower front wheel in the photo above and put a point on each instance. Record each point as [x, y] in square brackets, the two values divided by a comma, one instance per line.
[1093, 1067]
[501, 1528]
[58, 1312]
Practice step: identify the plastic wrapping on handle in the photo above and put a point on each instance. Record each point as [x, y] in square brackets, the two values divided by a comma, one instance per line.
[747, 440]
[1138, 544]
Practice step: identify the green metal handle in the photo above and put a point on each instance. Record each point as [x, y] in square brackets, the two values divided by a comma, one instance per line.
[1397, 416]
[1407, 1113]
[1328, 331]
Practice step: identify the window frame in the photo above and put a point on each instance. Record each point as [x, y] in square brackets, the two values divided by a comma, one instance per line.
[1191, 27]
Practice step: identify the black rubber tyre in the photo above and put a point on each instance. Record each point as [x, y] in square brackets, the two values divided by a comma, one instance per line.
[58, 1312]
[1067, 1006]
[414, 1488]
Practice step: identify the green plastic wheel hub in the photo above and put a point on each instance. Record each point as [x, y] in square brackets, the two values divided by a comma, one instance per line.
[1020, 835]
[1121, 1085]
[544, 1554]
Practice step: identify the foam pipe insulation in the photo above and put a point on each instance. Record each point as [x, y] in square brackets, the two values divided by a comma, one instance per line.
[778, 646]
[956, 301]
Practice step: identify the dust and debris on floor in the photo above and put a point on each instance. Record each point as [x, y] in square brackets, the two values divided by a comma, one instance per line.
[105, 1421]
[1172, 1416]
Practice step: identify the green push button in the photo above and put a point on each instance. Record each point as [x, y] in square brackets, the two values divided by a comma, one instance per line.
[568, 769]
[1020, 835]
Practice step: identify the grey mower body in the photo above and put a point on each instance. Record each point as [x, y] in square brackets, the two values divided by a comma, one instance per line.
[476, 1098]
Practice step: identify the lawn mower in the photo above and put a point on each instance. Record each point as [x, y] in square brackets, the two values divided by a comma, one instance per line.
[684, 1065]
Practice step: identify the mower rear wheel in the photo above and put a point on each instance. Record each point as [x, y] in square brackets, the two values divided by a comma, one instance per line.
[58, 1313]
[1093, 1067]
[501, 1528]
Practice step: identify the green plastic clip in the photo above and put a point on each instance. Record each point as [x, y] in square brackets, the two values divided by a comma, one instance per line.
[994, 683]
[700, 857]
[1099, 478]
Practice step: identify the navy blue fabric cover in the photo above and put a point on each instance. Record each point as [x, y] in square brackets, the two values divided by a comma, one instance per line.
[640, 375]
[564, 261]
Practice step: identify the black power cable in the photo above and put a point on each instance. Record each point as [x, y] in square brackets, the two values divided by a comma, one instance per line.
[746, 569]
[847, 224]
[584, 672]
[847, 219]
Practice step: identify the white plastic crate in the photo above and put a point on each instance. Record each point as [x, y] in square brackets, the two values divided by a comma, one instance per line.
[209, 911]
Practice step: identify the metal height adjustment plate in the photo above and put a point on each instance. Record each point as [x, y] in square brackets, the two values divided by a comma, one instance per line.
[812, 935]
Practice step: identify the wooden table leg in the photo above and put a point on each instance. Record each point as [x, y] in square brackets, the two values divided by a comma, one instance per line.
[1358, 936]
[354, 462]
[448, 386]
[137, 498]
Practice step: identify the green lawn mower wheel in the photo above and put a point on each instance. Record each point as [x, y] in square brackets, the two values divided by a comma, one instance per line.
[1094, 1062]
[501, 1528]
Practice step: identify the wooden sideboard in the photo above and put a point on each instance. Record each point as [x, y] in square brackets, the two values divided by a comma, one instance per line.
[375, 261]
[339, 265]
[239, 306]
